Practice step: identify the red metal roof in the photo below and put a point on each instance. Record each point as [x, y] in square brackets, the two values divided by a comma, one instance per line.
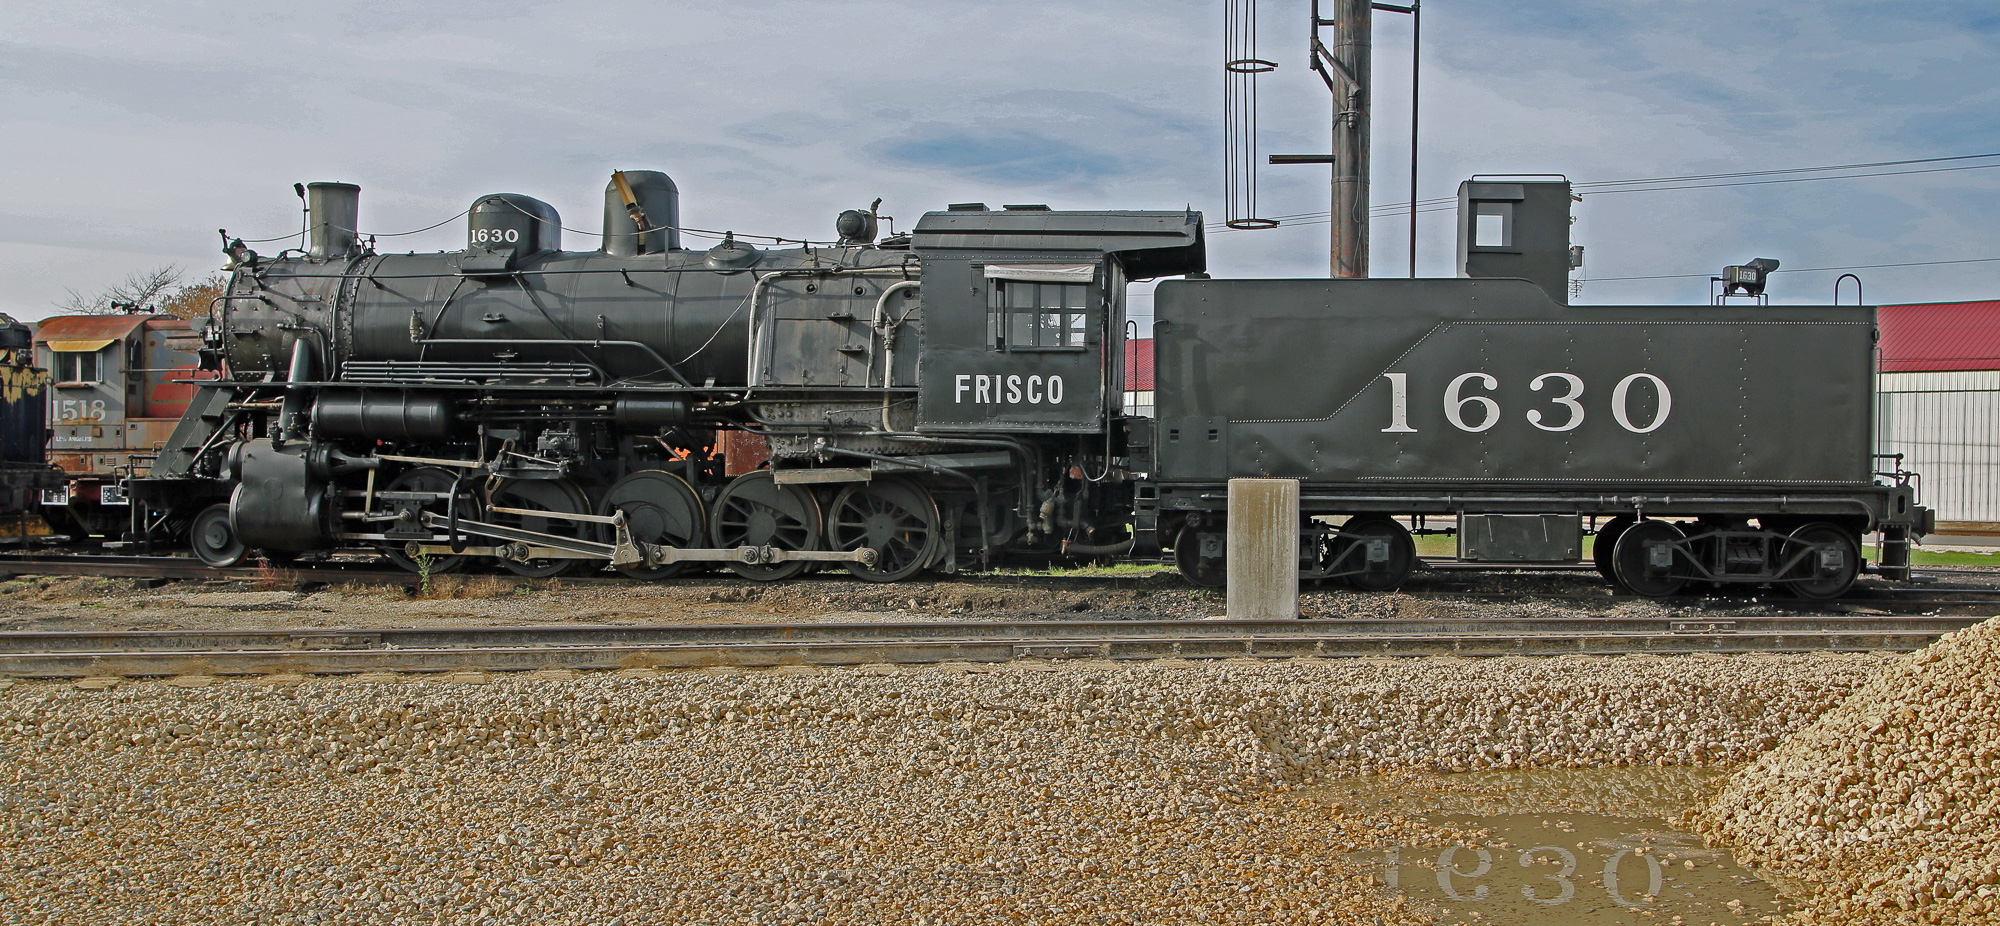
[1940, 336]
[1139, 365]
[88, 327]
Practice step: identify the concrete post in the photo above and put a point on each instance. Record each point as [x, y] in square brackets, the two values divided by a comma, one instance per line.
[1262, 549]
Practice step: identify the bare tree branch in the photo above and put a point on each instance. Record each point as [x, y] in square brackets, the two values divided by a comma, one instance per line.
[139, 288]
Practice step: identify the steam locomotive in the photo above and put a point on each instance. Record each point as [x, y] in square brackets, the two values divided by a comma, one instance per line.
[947, 398]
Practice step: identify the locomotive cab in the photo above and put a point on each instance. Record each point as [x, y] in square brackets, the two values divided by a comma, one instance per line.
[1026, 317]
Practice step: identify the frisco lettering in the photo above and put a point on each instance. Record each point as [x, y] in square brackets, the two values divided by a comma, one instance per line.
[1013, 389]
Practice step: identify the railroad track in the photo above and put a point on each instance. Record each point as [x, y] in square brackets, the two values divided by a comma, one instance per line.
[184, 567]
[63, 655]
[1864, 600]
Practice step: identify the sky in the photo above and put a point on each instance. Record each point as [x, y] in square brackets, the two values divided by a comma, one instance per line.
[130, 132]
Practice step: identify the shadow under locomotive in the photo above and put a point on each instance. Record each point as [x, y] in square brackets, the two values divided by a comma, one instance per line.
[944, 400]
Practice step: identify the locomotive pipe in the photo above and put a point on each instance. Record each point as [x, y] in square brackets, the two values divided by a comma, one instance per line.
[298, 396]
[632, 207]
[1099, 549]
[888, 332]
[664, 363]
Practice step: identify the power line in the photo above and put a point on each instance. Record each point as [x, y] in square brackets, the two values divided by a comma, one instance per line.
[1687, 182]
[1687, 276]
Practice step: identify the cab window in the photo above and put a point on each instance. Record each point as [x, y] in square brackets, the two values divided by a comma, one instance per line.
[1031, 315]
[77, 366]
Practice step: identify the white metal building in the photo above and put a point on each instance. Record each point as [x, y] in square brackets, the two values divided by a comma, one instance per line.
[1940, 408]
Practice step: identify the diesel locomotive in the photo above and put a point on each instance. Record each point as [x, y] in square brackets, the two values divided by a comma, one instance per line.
[946, 399]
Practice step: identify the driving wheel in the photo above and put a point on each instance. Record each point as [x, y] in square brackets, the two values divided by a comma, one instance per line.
[556, 496]
[754, 511]
[896, 518]
[661, 509]
[427, 488]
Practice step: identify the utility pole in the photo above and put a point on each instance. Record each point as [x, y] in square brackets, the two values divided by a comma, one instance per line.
[1345, 68]
[1348, 63]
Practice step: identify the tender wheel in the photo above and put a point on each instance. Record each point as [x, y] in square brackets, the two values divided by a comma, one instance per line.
[1635, 560]
[1210, 571]
[558, 496]
[1825, 573]
[435, 481]
[1383, 574]
[1607, 540]
[898, 519]
[754, 511]
[660, 508]
[214, 539]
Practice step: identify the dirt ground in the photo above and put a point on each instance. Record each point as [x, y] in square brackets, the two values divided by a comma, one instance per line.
[284, 600]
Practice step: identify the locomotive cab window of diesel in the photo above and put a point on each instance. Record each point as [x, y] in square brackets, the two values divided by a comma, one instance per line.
[77, 366]
[1025, 315]
[1493, 225]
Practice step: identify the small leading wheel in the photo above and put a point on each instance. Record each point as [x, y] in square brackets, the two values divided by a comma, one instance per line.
[1385, 567]
[1605, 542]
[1206, 568]
[1829, 569]
[214, 538]
[1643, 561]
[556, 496]
[896, 518]
[427, 486]
[754, 511]
[660, 508]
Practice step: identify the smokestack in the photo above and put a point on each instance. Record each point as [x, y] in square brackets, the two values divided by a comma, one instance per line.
[336, 213]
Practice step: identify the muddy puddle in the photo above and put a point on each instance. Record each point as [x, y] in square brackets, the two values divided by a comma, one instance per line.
[1557, 848]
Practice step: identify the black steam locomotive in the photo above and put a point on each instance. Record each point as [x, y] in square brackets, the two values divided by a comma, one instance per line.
[951, 397]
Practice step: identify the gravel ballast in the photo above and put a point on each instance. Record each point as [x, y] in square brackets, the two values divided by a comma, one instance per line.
[1886, 807]
[1072, 792]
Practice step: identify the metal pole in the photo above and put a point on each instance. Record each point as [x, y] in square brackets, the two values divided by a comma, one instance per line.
[1416, 47]
[1352, 38]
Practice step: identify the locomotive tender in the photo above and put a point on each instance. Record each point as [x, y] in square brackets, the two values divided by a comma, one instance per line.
[945, 399]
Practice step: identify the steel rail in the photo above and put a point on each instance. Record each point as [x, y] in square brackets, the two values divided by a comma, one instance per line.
[186, 568]
[59, 655]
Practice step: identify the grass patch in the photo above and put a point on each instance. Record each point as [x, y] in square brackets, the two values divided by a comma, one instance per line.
[1949, 558]
[1115, 569]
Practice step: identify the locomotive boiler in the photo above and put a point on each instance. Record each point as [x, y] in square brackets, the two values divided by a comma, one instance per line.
[929, 400]
[945, 399]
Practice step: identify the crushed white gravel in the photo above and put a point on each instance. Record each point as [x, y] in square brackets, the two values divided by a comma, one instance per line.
[1065, 793]
[1888, 807]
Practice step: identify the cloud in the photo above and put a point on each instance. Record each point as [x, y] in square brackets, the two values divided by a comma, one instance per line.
[134, 131]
